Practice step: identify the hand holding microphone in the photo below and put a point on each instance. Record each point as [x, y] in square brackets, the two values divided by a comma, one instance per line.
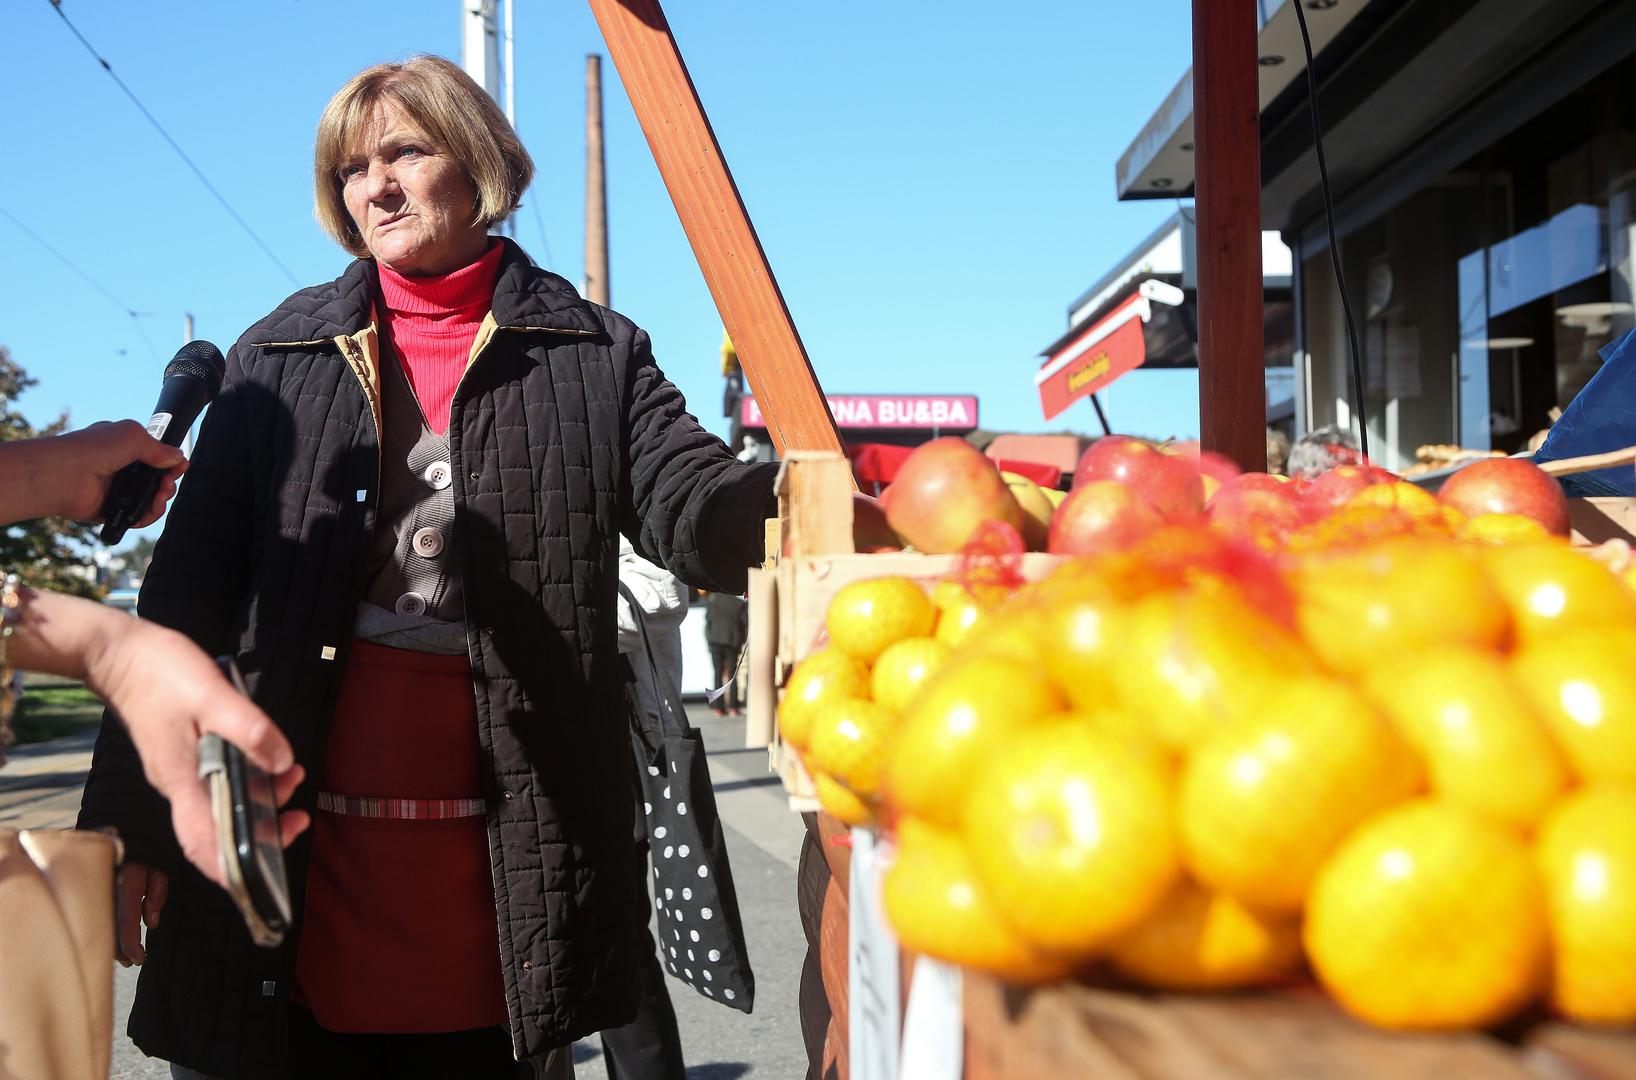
[146, 477]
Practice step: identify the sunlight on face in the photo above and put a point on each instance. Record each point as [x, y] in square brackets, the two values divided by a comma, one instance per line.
[412, 201]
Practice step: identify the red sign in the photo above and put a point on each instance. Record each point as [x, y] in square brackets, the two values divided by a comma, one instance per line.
[876, 412]
[1095, 358]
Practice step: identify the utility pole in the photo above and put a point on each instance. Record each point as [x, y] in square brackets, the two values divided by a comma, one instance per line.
[480, 51]
[596, 188]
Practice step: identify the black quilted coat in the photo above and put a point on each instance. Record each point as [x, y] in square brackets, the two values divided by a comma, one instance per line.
[563, 434]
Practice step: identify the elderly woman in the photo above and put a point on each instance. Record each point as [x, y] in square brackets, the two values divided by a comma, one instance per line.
[403, 517]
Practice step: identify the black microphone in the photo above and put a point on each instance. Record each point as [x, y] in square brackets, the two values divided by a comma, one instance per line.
[191, 381]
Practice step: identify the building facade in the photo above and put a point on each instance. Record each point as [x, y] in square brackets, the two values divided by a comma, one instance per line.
[1483, 160]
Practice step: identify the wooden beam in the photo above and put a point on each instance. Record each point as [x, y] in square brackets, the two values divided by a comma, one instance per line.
[713, 216]
[1227, 141]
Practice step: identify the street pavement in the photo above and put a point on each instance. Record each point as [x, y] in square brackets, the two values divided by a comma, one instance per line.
[40, 788]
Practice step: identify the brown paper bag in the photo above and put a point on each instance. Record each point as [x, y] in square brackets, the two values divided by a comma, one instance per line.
[56, 954]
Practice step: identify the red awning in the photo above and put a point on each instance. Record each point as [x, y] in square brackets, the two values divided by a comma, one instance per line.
[1042, 474]
[876, 464]
[1106, 350]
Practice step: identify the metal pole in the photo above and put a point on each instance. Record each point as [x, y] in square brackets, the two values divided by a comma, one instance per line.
[1100, 415]
[1227, 202]
[511, 67]
[596, 188]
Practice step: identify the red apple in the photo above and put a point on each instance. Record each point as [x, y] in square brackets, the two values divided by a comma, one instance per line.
[1332, 489]
[870, 530]
[1101, 515]
[943, 492]
[1218, 467]
[1281, 486]
[1508, 486]
[1170, 482]
[1257, 508]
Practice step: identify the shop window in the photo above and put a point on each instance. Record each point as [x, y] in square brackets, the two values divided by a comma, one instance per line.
[1483, 297]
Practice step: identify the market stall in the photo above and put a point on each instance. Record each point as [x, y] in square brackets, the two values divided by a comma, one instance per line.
[1077, 989]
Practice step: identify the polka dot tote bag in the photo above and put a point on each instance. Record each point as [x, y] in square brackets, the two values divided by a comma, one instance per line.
[701, 939]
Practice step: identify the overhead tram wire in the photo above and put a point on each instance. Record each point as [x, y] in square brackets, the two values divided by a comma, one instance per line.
[136, 316]
[534, 205]
[174, 145]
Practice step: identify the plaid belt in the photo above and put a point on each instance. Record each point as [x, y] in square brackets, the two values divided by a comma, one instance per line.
[401, 809]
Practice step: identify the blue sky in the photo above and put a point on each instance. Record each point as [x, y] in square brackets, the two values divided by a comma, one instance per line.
[933, 183]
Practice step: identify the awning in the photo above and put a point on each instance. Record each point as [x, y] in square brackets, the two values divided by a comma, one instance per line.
[1105, 350]
[875, 464]
[1038, 471]
[1060, 452]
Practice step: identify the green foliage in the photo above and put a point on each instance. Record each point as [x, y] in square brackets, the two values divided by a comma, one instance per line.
[50, 710]
[140, 554]
[48, 553]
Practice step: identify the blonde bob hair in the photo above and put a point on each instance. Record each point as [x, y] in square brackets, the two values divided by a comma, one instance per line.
[452, 110]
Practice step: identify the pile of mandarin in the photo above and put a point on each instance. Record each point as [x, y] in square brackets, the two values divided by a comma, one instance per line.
[1391, 747]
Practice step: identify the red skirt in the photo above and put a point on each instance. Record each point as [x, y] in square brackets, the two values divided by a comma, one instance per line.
[399, 933]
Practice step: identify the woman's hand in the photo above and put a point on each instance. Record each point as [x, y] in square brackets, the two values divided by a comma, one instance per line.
[139, 896]
[68, 475]
[168, 693]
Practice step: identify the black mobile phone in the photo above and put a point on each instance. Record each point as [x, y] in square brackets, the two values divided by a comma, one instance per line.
[245, 808]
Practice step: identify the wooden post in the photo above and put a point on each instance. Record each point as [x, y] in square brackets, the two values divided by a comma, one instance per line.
[713, 216]
[596, 188]
[1227, 139]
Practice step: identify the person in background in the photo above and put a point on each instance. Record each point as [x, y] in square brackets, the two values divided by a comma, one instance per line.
[1277, 451]
[726, 626]
[402, 518]
[163, 688]
[650, 1046]
[1320, 450]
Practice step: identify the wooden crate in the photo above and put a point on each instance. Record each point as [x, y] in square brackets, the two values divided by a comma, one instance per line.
[1598, 520]
[1083, 1030]
[811, 557]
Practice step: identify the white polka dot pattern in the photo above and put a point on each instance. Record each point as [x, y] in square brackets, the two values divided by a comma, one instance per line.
[708, 956]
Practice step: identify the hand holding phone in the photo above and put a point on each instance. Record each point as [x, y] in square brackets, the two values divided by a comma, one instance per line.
[244, 806]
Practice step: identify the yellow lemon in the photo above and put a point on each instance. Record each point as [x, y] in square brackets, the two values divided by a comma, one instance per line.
[1484, 746]
[1265, 799]
[825, 676]
[1587, 854]
[1072, 837]
[867, 616]
[957, 723]
[1199, 940]
[1429, 917]
[903, 668]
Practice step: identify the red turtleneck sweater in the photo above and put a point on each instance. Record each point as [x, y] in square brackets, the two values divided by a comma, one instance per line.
[434, 321]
